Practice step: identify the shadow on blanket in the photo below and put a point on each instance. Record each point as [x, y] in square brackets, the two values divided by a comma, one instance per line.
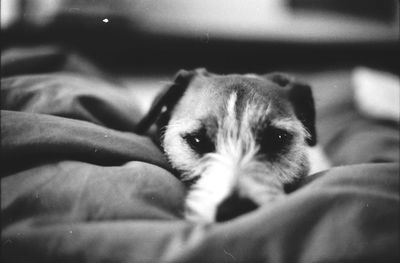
[67, 195]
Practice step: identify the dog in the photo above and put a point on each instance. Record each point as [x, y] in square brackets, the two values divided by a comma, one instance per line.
[235, 140]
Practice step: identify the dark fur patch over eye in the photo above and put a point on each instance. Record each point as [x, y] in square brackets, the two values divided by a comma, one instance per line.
[275, 141]
[199, 142]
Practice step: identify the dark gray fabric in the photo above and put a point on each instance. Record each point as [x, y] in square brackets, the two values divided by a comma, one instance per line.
[88, 213]
[67, 194]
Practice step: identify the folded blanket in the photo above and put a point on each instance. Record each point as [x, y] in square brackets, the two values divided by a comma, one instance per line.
[76, 212]
[78, 186]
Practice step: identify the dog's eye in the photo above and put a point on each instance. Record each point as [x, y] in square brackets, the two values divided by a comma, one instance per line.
[275, 140]
[281, 137]
[200, 143]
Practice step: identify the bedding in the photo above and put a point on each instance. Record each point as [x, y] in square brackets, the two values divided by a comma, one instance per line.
[79, 186]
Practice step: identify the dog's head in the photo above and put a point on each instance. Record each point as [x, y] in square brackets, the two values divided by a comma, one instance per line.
[234, 137]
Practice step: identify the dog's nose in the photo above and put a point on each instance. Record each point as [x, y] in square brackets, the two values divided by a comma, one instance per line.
[234, 206]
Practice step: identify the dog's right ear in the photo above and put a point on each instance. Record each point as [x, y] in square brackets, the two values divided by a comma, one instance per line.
[165, 101]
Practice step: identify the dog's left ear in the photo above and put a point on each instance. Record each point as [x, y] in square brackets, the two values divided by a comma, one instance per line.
[165, 101]
[300, 94]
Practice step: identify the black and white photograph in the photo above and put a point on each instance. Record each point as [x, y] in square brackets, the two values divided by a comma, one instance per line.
[209, 131]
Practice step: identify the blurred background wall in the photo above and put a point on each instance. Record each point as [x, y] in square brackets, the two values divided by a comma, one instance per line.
[224, 36]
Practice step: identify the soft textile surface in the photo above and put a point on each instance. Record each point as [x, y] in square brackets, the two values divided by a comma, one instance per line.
[347, 136]
[78, 186]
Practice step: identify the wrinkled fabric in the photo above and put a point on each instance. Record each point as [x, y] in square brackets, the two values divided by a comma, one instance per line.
[78, 186]
[92, 214]
[28, 139]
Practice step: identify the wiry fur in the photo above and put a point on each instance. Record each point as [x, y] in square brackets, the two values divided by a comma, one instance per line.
[237, 116]
[236, 164]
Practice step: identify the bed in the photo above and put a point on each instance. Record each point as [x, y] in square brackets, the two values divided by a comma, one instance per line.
[78, 185]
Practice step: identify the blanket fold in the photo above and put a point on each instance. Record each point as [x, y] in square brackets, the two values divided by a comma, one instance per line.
[29, 138]
[337, 218]
[79, 186]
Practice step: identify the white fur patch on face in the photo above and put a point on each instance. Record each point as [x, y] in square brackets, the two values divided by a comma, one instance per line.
[230, 167]
[217, 170]
[236, 164]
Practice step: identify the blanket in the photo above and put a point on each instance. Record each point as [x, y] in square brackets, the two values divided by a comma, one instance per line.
[79, 186]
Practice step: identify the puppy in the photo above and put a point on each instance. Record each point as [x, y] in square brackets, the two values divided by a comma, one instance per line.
[234, 140]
